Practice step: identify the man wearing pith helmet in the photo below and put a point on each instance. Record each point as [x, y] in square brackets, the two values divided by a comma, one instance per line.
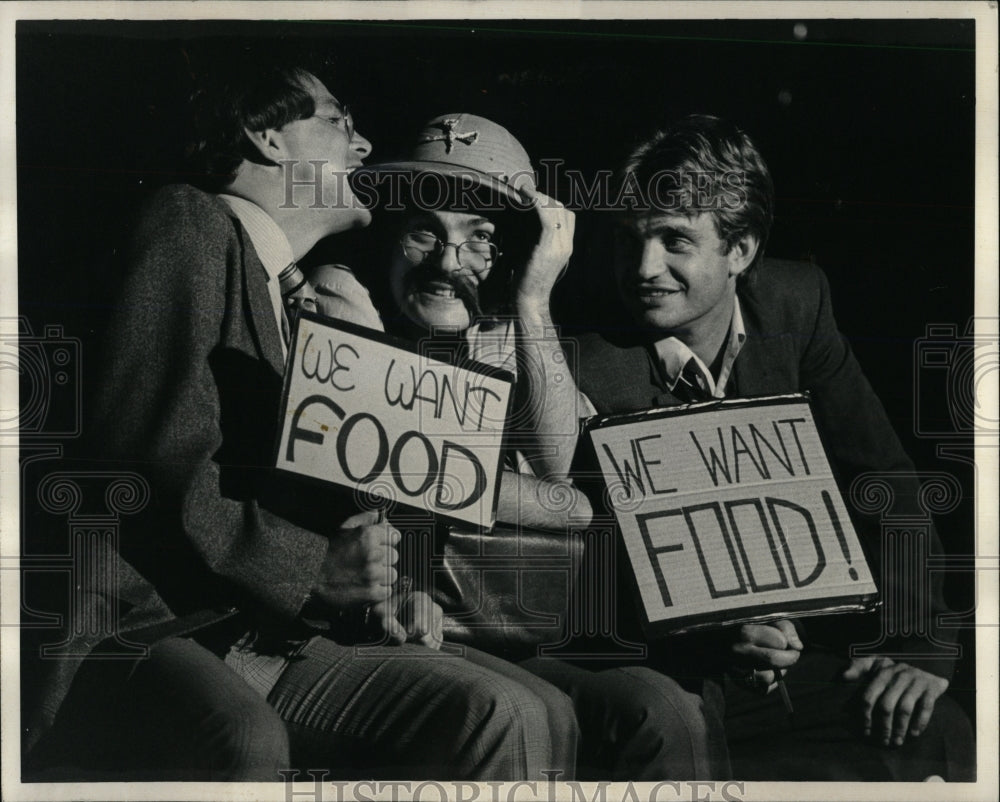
[473, 250]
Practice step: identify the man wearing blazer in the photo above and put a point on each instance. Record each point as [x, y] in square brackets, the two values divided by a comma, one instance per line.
[705, 316]
[252, 589]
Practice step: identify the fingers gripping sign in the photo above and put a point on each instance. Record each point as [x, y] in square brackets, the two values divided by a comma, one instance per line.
[358, 567]
[359, 572]
[768, 649]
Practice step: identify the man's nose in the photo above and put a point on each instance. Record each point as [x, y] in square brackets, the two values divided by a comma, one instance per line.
[360, 145]
[651, 260]
[447, 259]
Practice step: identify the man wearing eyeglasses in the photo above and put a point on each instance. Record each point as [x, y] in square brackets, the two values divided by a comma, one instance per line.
[474, 255]
[473, 251]
[265, 583]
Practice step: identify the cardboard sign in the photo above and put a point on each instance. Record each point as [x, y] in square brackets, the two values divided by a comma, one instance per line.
[730, 512]
[368, 413]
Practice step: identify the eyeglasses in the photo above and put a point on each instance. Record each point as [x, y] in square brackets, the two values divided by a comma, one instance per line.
[345, 120]
[474, 255]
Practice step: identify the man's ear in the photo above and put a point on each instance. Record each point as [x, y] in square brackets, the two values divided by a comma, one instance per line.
[268, 143]
[742, 253]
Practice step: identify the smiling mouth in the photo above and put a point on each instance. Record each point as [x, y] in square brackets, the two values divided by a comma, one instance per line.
[653, 293]
[429, 286]
[437, 289]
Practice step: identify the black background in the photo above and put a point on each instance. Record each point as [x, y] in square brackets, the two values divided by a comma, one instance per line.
[868, 127]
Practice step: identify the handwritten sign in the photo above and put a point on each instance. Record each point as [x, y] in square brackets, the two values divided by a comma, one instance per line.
[730, 512]
[367, 413]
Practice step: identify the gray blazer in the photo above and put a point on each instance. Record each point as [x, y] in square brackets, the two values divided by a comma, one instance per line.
[189, 399]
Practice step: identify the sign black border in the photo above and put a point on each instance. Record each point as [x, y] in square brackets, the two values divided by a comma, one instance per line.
[395, 342]
[863, 603]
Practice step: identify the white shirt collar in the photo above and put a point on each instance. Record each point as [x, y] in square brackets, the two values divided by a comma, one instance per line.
[272, 247]
[270, 242]
[674, 355]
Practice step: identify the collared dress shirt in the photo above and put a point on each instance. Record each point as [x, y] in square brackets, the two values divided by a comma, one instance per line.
[271, 245]
[673, 356]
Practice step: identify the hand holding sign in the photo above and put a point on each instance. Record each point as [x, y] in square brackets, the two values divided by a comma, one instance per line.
[358, 568]
[775, 647]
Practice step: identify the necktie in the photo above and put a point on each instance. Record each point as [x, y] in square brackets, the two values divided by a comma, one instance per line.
[296, 293]
[690, 385]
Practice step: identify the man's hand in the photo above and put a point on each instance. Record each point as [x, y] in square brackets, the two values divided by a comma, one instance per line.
[422, 619]
[417, 619]
[533, 285]
[769, 649]
[358, 568]
[898, 700]
[341, 296]
[382, 624]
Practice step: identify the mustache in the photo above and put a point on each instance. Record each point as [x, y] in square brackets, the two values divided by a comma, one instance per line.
[463, 286]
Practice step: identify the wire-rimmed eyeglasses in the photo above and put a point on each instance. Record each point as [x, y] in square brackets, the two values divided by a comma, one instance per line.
[344, 119]
[474, 255]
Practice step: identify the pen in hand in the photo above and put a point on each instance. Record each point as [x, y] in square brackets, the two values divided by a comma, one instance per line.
[785, 698]
[792, 641]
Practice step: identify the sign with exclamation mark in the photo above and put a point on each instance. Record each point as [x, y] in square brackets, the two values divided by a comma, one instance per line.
[852, 572]
[730, 513]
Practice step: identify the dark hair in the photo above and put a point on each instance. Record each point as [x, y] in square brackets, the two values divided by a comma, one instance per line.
[704, 164]
[246, 91]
